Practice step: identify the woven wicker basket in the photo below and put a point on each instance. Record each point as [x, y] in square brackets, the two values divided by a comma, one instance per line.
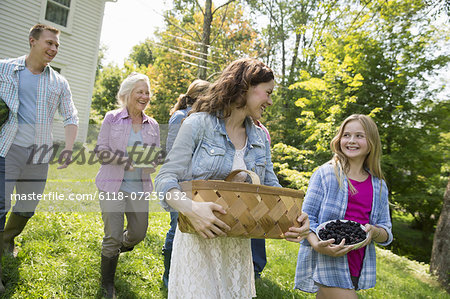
[253, 210]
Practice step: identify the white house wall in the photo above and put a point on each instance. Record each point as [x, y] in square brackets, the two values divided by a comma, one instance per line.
[77, 55]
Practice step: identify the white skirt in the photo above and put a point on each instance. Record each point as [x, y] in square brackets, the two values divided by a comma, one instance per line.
[211, 268]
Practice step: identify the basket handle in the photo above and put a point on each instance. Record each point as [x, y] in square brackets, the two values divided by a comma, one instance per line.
[253, 176]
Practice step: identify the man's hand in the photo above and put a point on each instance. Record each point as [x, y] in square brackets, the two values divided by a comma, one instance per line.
[65, 158]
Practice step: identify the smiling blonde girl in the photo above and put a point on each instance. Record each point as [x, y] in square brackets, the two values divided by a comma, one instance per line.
[351, 186]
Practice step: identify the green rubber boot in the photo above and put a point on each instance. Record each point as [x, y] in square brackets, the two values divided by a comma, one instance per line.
[13, 228]
[108, 270]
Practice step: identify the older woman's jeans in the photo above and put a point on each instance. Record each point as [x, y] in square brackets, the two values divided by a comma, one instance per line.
[113, 213]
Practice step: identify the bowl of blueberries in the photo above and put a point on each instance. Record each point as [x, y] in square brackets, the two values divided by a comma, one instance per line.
[353, 232]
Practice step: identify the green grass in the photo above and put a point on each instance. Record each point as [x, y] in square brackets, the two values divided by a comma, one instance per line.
[410, 242]
[59, 257]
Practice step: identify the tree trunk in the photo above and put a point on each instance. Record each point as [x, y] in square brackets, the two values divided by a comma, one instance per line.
[440, 261]
[294, 59]
[207, 20]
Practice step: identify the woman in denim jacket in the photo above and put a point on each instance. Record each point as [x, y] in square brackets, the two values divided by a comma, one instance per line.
[218, 137]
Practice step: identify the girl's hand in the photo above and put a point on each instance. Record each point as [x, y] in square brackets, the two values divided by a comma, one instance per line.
[376, 234]
[205, 222]
[297, 234]
[370, 232]
[327, 247]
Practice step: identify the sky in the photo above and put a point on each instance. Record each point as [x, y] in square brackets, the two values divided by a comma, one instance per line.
[126, 23]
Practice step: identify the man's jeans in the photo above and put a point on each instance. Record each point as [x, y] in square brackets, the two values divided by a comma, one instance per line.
[28, 179]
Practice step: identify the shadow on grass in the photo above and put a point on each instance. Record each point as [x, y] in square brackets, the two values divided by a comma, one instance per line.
[11, 275]
[123, 290]
[266, 289]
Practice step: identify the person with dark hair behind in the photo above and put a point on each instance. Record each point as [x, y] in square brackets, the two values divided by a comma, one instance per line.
[178, 113]
[218, 137]
[259, 245]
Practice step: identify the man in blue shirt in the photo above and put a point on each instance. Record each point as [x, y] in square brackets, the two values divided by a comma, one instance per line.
[33, 91]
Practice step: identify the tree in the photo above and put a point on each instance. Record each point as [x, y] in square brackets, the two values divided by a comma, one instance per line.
[101, 57]
[440, 263]
[188, 8]
[108, 79]
[177, 49]
[375, 61]
[293, 32]
[141, 54]
[106, 87]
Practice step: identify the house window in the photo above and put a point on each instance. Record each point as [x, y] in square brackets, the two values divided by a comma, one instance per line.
[57, 11]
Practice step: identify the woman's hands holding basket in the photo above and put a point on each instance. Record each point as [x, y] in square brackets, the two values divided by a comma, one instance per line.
[200, 214]
[205, 222]
[297, 234]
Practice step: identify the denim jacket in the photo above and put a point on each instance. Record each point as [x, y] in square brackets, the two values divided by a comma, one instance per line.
[202, 150]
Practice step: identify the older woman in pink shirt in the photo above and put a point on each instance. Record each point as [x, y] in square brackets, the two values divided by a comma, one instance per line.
[122, 186]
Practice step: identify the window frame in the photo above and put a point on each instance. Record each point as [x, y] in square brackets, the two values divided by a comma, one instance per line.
[70, 16]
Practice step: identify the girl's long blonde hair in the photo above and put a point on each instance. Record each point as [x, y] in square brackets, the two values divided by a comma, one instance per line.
[372, 161]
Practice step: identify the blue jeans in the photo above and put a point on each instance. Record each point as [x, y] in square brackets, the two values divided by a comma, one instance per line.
[258, 245]
[259, 255]
[171, 233]
[2, 195]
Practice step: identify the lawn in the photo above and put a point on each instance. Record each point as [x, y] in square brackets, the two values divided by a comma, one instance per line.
[59, 255]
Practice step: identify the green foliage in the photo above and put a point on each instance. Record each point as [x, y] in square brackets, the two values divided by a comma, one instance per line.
[141, 54]
[100, 59]
[105, 90]
[293, 167]
[409, 241]
[108, 80]
[375, 59]
[177, 48]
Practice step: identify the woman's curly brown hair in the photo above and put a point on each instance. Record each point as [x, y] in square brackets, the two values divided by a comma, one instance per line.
[232, 86]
